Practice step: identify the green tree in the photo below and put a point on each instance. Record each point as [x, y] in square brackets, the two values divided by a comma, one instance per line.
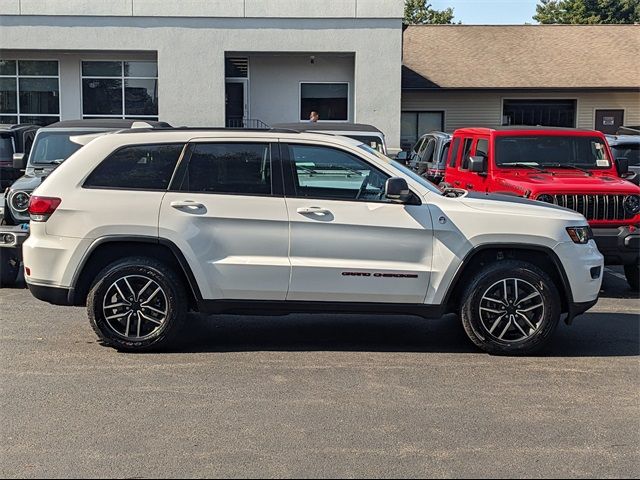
[419, 12]
[588, 11]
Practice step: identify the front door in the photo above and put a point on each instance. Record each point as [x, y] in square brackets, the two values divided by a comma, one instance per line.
[236, 103]
[608, 121]
[347, 242]
[227, 214]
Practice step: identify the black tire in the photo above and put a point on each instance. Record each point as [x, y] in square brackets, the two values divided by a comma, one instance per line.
[545, 320]
[9, 267]
[136, 269]
[632, 272]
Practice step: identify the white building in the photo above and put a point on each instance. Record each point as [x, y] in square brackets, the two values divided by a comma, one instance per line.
[202, 62]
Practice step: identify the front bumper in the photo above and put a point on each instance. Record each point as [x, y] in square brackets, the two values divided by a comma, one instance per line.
[13, 236]
[620, 246]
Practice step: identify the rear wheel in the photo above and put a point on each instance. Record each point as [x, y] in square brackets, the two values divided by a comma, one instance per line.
[511, 307]
[632, 272]
[9, 267]
[137, 304]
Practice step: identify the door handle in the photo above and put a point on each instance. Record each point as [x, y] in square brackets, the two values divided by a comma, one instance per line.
[187, 204]
[314, 210]
[469, 186]
[457, 182]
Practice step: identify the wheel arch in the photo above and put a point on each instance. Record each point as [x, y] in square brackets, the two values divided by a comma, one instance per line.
[106, 250]
[541, 256]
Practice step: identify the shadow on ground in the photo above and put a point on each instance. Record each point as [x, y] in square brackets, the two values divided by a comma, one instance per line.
[592, 335]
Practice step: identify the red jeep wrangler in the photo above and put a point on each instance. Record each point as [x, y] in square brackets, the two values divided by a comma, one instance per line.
[566, 167]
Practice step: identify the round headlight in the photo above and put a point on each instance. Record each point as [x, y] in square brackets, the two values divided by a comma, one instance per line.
[545, 198]
[632, 204]
[20, 201]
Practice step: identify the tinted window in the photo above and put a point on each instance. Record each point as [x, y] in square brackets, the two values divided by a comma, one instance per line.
[330, 100]
[372, 141]
[6, 148]
[482, 148]
[321, 172]
[546, 150]
[54, 147]
[427, 155]
[465, 153]
[630, 151]
[443, 155]
[229, 168]
[454, 152]
[145, 167]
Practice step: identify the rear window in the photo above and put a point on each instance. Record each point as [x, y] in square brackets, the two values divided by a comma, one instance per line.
[137, 167]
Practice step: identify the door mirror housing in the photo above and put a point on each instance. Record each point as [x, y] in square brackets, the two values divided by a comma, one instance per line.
[478, 164]
[19, 161]
[397, 190]
[402, 156]
[622, 164]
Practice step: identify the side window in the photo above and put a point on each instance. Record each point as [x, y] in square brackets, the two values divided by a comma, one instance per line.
[443, 155]
[482, 148]
[321, 172]
[454, 152]
[418, 146]
[137, 167]
[465, 153]
[427, 155]
[240, 168]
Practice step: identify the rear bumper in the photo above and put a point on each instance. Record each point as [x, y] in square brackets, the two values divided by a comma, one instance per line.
[50, 294]
[620, 246]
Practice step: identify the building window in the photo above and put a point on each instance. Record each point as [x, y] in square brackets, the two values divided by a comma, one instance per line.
[330, 100]
[415, 124]
[120, 89]
[29, 91]
[548, 113]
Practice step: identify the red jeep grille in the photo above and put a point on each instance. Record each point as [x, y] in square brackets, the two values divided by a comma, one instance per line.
[595, 207]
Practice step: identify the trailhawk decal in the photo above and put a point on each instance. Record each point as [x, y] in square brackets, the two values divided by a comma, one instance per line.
[379, 275]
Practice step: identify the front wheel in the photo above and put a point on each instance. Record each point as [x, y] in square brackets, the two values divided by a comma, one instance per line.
[136, 304]
[511, 307]
[632, 272]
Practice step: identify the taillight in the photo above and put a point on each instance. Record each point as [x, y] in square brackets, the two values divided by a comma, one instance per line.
[41, 208]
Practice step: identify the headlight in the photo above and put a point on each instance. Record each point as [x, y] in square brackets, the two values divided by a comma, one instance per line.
[580, 235]
[545, 197]
[20, 201]
[632, 204]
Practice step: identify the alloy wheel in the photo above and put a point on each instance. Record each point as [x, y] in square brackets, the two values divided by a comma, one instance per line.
[135, 307]
[512, 310]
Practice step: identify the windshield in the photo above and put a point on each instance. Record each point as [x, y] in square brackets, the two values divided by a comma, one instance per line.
[51, 147]
[630, 151]
[6, 148]
[551, 151]
[371, 140]
[402, 169]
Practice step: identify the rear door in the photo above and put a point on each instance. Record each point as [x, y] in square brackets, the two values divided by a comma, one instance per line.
[227, 214]
[348, 243]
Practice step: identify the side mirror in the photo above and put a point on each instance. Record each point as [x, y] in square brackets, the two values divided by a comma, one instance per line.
[622, 164]
[402, 156]
[19, 161]
[477, 164]
[396, 189]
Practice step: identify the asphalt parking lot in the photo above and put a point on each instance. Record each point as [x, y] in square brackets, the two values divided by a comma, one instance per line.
[318, 396]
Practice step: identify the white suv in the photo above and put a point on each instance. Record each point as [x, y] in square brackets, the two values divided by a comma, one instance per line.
[142, 227]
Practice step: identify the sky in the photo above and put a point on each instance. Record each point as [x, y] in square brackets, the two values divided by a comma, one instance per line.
[490, 12]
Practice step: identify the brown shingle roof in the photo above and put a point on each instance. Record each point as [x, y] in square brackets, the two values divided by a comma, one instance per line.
[523, 56]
